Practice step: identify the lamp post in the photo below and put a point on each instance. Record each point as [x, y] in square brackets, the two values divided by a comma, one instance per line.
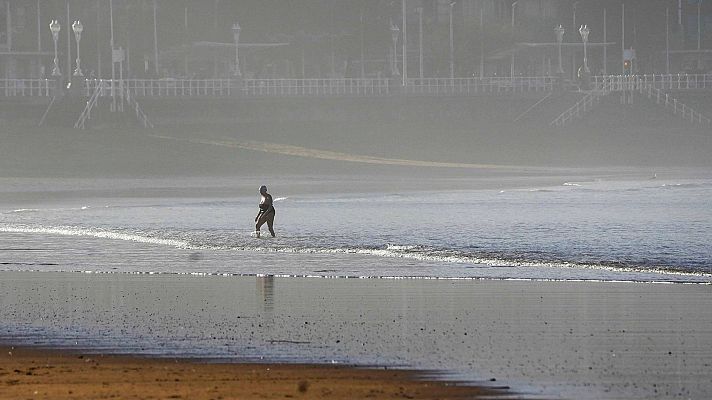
[363, 62]
[559, 30]
[54, 27]
[236, 35]
[511, 71]
[699, 34]
[155, 36]
[482, 41]
[452, 44]
[623, 63]
[605, 44]
[573, 26]
[667, 40]
[77, 27]
[584, 31]
[394, 35]
[404, 43]
[69, 45]
[420, 41]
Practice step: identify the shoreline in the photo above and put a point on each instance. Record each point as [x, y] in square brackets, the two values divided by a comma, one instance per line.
[26, 371]
[381, 277]
[28, 252]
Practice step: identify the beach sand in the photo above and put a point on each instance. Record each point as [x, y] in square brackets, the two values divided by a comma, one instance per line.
[584, 340]
[34, 373]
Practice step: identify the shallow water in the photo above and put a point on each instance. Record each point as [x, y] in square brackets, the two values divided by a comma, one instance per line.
[602, 340]
[644, 230]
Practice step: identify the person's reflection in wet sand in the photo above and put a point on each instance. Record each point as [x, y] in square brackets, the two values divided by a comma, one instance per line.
[265, 291]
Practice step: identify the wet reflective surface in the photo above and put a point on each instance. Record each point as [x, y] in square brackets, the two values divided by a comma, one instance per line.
[574, 339]
[639, 230]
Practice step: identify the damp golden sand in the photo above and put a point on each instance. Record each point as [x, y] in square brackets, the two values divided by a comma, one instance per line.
[27, 373]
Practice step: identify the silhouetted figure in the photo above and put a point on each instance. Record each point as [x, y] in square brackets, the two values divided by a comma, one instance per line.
[266, 213]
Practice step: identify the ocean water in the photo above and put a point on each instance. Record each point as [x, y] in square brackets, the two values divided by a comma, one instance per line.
[468, 311]
[625, 230]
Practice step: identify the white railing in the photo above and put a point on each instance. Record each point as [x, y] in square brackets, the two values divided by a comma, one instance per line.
[316, 87]
[661, 82]
[686, 112]
[676, 106]
[586, 103]
[140, 115]
[620, 83]
[349, 87]
[167, 87]
[27, 87]
[470, 86]
[91, 103]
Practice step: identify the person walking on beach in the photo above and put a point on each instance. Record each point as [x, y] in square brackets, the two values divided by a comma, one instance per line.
[266, 213]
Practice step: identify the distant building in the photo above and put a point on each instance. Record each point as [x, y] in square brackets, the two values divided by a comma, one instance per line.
[499, 10]
[334, 39]
[21, 54]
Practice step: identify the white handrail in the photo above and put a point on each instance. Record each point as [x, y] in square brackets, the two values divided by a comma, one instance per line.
[648, 88]
[316, 87]
[27, 87]
[350, 86]
[585, 104]
[140, 115]
[448, 86]
[86, 113]
[663, 81]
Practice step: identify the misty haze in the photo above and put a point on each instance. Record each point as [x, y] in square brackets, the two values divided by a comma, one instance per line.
[515, 195]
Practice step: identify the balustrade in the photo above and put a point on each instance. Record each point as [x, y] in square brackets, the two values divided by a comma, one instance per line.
[27, 87]
[349, 87]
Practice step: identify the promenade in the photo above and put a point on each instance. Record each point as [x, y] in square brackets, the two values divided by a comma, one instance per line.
[259, 88]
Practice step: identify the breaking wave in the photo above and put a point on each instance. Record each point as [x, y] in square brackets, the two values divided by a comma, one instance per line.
[93, 232]
[240, 241]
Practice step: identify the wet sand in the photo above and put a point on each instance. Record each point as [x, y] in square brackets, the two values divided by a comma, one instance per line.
[584, 340]
[35, 373]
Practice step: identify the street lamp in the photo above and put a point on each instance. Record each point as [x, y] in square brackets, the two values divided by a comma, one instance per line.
[404, 43]
[573, 26]
[54, 27]
[394, 35]
[699, 34]
[452, 45]
[236, 34]
[511, 72]
[559, 30]
[584, 31]
[77, 27]
[420, 41]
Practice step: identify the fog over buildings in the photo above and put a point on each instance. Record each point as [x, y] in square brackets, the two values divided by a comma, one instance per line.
[329, 39]
[438, 81]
